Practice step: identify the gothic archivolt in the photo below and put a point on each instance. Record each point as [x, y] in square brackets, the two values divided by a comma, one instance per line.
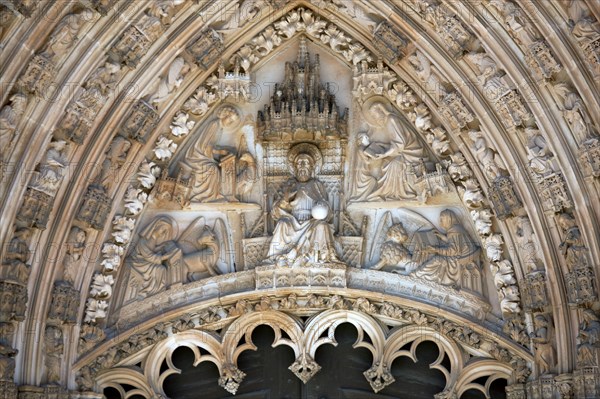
[461, 174]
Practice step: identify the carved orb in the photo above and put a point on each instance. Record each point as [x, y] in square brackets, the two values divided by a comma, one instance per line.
[319, 211]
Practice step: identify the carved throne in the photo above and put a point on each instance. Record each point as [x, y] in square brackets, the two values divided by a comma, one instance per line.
[303, 110]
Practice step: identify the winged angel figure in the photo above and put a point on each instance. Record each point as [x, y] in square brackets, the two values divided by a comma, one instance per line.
[159, 260]
[415, 245]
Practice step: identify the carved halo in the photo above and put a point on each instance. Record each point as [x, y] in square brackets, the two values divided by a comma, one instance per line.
[369, 103]
[305, 148]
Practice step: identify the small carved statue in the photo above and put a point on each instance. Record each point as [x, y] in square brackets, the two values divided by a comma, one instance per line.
[542, 338]
[575, 112]
[400, 158]
[14, 264]
[303, 232]
[177, 71]
[489, 160]
[455, 252]
[7, 353]
[589, 339]
[104, 79]
[51, 168]
[572, 247]
[114, 160]
[10, 115]
[75, 248]
[155, 262]
[64, 35]
[538, 152]
[247, 175]
[200, 159]
[53, 339]
[582, 22]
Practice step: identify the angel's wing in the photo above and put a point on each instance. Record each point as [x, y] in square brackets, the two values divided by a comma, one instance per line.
[187, 240]
[412, 221]
[379, 237]
[225, 261]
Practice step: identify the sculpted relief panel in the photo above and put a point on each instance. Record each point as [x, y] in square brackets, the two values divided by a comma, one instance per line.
[317, 182]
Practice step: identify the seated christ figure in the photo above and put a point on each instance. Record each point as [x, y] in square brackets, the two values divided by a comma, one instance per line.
[303, 235]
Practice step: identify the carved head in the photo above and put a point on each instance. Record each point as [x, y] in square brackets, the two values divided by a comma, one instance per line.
[76, 236]
[397, 233]
[304, 166]
[540, 321]
[228, 116]
[448, 219]
[18, 102]
[378, 111]
[161, 232]
[119, 147]
[566, 221]
[207, 237]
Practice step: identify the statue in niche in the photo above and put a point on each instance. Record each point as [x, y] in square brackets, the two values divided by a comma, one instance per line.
[114, 160]
[204, 249]
[368, 167]
[213, 169]
[573, 247]
[155, 262]
[75, 249]
[53, 339]
[10, 115]
[455, 252]
[538, 153]
[171, 81]
[303, 232]
[589, 339]
[14, 264]
[542, 338]
[489, 160]
[51, 168]
[582, 21]
[401, 157]
[64, 35]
